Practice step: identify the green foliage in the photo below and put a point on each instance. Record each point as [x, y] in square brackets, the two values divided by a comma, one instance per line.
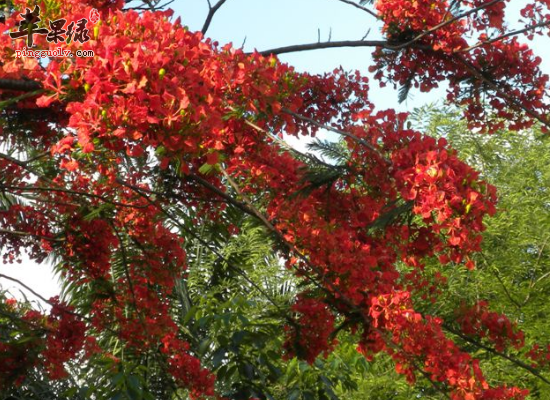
[236, 298]
[513, 269]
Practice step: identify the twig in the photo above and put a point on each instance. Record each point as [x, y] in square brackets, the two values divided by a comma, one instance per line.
[22, 85]
[211, 12]
[360, 7]
[68, 191]
[27, 234]
[445, 23]
[515, 361]
[385, 44]
[310, 157]
[52, 304]
[507, 35]
[340, 132]
[23, 164]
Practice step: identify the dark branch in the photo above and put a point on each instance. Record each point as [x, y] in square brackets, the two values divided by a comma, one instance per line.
[507, 35]
[329, 45]
[342, 133]
[501, 91]
[515, 361]
[22, 85]
[375, 43]
[365, 9]
[27, 234]
[52, 304]
[211, 12]
[446, 23]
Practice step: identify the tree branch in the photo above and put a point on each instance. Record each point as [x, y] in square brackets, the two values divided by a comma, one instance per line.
[211, 12]
[342, 133]
[445, 23]
[15, 189]
[22, 85]
[329, 45]
[374, 43]
[27, 234]
[284, 144]
[507, 35]
[495, 86]
[52, 304]
[360, 7]
[515, 361]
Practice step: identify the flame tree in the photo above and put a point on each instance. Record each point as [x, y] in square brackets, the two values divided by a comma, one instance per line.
[114, 164]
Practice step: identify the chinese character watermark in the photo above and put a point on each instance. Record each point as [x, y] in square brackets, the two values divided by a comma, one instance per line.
[61, 31]
[28, 26]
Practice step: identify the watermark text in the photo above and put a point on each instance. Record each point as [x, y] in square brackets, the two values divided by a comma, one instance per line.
[59, 52]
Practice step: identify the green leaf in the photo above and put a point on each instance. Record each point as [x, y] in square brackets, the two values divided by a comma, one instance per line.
[218, 356]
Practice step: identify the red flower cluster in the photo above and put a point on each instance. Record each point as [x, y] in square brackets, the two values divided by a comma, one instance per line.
[186, 368]
[536, 13]
[479, 321]
[439, 357]
[540, 356]
[155, 89]
[472, 69]
[47, 341]
[446, 194]
[65, 339]
[310, 335]
[404, 20]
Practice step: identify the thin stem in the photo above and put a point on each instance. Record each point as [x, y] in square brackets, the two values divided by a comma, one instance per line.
[283, 143]
[385, 44]
[360, 7]
[68, 191]
[27, 234]
[340, 132]
[445, 23]
[51, 303]
[515, 361]
[507, 35]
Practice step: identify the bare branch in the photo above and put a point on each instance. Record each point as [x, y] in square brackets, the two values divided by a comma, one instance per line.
[9, 278]
[61, 308]
[16, 189]
[149, 5]
[329, 45]
[360, 7]
[27, 234]
[284, 144]
[211, 12]
[375, 43]
[22, 85]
